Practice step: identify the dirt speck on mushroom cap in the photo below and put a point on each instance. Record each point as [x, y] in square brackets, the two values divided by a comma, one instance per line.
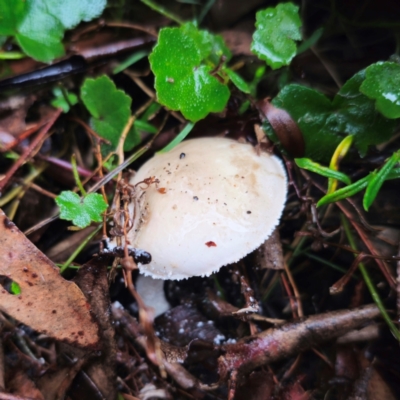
[221, 192]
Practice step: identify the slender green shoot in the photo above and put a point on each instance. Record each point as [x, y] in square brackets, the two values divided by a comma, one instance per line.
[184, 132]
[134, 58]
[163, 11]
[325, 262]
[368, 282]
[79, 249]
[76, 176]
[204, 11]
[11, 55]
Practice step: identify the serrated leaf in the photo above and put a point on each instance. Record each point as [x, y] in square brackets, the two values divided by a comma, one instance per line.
[81, 212]
[382, 83]
[325, 123]
[72, 12]
[210, 46]
[109, 107]
[277, 30]
[39, 25]
[183, 79]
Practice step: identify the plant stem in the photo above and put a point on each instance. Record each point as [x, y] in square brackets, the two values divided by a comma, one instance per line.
[162, 11]
[10, 195]
[182, 134]
[79, 249]
[205, 10]
[368, 282]
[76, 175]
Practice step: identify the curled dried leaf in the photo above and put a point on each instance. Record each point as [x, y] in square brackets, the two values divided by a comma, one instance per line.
[285, 127]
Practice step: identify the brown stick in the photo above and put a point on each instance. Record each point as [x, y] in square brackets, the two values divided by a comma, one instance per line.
[29, 150]
[278, 343]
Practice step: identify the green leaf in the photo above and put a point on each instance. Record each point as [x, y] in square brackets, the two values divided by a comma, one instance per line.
[394, 174]
[132, 139]
[134, 58]
[310, 41]
[183, 78]
[277, 30]
[109, 107]
[345, 192]
[310, 109]
[15, 288]
[39, 25]
[382, 83]
[145, 126]
[312, 166]
[238, 81]
[378, 179]
[60, 100]
[356, 115]
[182, 134]
[324, 123]
[81, 212]
[72, 12]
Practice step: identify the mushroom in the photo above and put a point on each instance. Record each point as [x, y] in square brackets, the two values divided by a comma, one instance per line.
[215, 201]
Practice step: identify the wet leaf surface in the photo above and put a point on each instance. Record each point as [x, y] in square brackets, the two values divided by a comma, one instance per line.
[182, 81]
[323, 122]
[276, 33]
[381, 83]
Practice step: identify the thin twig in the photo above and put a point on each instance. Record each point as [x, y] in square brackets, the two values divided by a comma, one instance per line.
[27, 152]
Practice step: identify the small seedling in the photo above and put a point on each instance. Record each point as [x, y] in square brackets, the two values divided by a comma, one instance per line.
[81, 211]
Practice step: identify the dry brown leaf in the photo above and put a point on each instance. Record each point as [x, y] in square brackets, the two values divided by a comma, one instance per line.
[284, 126]
[92, 280]
[47, 303]
[22, 386]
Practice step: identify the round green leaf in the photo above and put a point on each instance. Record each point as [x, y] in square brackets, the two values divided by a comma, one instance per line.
[382, 83]
[277, 29]
[81, 212]
[183, 79]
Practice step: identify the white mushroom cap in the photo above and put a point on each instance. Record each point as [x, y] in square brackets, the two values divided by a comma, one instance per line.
[216, 201]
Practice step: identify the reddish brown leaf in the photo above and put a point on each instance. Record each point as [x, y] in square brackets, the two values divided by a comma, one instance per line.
[284, 126]
[47, 303]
